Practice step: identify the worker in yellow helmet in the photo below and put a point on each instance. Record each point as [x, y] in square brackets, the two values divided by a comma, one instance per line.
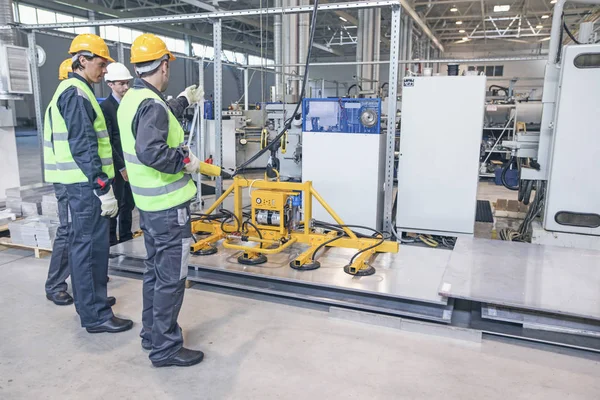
[159, 169]
[77, 154]
[58, 270]
[65, 69]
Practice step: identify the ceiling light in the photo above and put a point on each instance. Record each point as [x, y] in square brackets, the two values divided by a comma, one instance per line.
[539, 26]
[343, 19]
[454, 9]
[461, 31]
[466, 38]
[545, 16]
[503, 8]
[553, 2]
[458, 22]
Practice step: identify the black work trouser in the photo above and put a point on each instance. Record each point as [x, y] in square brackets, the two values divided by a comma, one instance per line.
[88, 255]
[59, 270]
[124, 197]
[168, 237]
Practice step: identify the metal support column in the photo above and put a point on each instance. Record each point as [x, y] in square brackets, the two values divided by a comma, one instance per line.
[391, 125]
[246, 84]
[120, 53]
[201, 129]
[218, 99]
[37, 95]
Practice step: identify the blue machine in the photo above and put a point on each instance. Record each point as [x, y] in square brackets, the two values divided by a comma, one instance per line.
[342, 115]
[343, 155]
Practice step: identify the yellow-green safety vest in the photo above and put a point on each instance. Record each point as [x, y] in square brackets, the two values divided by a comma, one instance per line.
[59, 164]
[152, 190]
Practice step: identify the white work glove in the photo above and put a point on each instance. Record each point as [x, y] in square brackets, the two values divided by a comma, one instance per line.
[193, 166]
[110, 207]
[193, 94]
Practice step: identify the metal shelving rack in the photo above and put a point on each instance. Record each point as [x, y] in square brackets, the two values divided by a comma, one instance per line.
[499, 133]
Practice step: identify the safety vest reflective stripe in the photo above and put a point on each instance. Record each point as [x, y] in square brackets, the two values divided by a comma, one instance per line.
[57, 151]
[166, 189]
[65, 135]
[131, 158]
[66, 166]
[152, 190]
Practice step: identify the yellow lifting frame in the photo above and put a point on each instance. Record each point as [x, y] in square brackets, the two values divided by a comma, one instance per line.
[272, 237]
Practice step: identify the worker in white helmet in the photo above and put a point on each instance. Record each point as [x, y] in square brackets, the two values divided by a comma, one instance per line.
[118, 79]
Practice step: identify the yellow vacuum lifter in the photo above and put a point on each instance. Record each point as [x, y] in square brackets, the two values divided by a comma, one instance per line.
[281, 215]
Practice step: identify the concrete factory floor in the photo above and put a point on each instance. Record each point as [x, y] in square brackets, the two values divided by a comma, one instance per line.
[259, 349]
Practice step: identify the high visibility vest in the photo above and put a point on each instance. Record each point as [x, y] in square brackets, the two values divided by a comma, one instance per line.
[152, 190]
[59, 165]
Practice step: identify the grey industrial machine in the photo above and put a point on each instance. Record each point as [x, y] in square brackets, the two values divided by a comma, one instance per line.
[15, 81]
[439, 154]
[561, 159]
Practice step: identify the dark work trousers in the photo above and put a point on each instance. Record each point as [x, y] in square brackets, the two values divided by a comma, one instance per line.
[125, 200]
[59, 262]
[168, 237]
[88, 255]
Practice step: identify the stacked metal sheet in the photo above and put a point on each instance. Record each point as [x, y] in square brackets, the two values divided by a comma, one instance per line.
[34, 231]
[6, 216]
[49, 206]
[135, 220]
[27, 200]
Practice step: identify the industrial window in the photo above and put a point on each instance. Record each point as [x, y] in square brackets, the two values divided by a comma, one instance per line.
[110, 32]
[489, 70]
[62, 18]
[27, 14]
[587, 60]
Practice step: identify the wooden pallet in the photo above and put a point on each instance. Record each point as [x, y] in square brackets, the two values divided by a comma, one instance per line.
[37, 251]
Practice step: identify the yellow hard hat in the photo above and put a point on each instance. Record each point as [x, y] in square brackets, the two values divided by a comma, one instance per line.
[149, 47]
[64, 69]
[92, 43]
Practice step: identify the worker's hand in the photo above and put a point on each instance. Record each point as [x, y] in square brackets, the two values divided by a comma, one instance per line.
[192, 165]
[209, 169]
[110, 207]
[193, 94]
[124, 175]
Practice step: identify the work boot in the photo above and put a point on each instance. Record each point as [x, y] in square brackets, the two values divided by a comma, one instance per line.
[111, 301]
[113, 325]
[60, 298]
[183, 358]
[146, 344]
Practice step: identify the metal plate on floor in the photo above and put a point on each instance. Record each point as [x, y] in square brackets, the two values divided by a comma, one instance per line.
[412, 274]
[305, 291]
[545, 322]
[524, 276]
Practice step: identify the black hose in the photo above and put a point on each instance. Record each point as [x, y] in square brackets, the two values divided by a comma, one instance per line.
[503, 88]
[273, 145]
[352, 87]
[569, 32]
[503, 175]
[319, 247]
[527, 192]
[379, 233]
[247, 222]
[367, 249]
[230, 216]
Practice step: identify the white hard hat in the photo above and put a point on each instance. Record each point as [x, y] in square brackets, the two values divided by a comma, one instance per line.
[117, 72]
